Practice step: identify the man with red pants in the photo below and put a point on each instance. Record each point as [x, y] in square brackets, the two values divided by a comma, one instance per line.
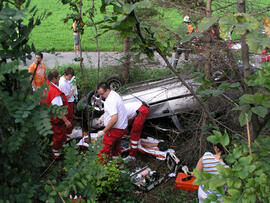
[137, 112]
[68, 89]
[115, 121]
[56, 97]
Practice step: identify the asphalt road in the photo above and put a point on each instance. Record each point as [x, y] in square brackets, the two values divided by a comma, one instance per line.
[109, 59]
[91, 60]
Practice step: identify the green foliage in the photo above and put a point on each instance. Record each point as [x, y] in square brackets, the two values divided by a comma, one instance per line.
[57, 111]
[206, 23]
[15, 29]
[136, 74]
[25, 126]
[219, 138]
[125, 20]
[241, 24]
[25, 123]
[257, 103]
[84, 176]
[247, 180]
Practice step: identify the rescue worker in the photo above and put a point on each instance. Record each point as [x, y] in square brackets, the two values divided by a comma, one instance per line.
[137, 113]
[56, 97]
[68, 89]
[189, 30]
[181, 48]
[189, 27]
[115, 121]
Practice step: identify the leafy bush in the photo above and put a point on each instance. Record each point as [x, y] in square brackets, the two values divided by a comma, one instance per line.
[84, 176]
[25, 124]
[25, 129]
[248, 178]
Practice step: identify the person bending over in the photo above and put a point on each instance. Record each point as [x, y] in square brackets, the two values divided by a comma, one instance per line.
[115, 121]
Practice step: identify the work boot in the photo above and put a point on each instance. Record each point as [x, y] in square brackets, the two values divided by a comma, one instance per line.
[56, 155]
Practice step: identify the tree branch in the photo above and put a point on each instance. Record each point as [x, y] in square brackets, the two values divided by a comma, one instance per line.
[223, 7]
[49, 182]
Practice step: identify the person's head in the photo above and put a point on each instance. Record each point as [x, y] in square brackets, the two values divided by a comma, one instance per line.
[38, 57]
[69, 73]
[54, 76]
[218, 148]
[187, 19]
[103, 89]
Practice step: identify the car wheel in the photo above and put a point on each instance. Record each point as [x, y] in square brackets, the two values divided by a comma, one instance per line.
[95, 101]
[115, 83]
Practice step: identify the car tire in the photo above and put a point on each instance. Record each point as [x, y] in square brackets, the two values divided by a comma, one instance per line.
[115, 83]
[90, 101]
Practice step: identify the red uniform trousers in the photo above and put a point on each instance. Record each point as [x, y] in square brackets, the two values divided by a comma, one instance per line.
[111, 142]
[59, 134]
[137, 127]
[70, 116]
[58, 125]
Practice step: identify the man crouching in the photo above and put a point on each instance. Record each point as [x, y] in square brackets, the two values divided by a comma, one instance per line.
[115, 121]
[56, 97]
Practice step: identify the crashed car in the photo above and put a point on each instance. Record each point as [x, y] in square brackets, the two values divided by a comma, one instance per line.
[166, 97]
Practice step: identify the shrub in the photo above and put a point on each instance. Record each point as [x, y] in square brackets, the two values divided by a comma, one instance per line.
[84, 176]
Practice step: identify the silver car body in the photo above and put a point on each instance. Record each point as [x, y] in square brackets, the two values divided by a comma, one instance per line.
[165, 97]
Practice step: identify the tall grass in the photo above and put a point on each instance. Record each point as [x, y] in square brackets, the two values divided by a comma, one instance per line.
[91, 74]
[54, 33]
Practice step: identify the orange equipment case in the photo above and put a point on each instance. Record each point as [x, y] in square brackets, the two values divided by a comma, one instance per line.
[185, 185]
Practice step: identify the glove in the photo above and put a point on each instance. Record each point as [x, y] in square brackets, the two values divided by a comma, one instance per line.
[100, 133]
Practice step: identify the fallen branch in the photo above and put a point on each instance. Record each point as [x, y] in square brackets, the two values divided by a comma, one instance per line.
[49, 182]
[47, 168]
[248, 132]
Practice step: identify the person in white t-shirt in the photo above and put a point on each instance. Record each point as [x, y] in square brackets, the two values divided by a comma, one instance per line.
[68, 89]
[137, 113]
[115, 121]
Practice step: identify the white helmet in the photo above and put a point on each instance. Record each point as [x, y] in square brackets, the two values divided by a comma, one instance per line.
[187, 19]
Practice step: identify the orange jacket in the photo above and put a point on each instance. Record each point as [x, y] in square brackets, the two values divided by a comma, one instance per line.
[190, 28]
[40, 75]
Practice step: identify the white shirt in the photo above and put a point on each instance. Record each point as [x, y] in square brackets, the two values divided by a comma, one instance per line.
[115, 105]
[65, 86]
[132, 109]
[58, 99]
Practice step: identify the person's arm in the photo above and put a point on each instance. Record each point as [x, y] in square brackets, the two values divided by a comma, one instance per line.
[67, 122]
[63, 87]
[31, 70]
[59, 102]
[70, 93]
[148, 144]
[74, 25]
[199, 165]
[111, 123]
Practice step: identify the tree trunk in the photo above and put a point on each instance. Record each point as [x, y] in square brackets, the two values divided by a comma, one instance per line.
[254, 124]
[126, 64]
[241, 7]
[207, 72]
